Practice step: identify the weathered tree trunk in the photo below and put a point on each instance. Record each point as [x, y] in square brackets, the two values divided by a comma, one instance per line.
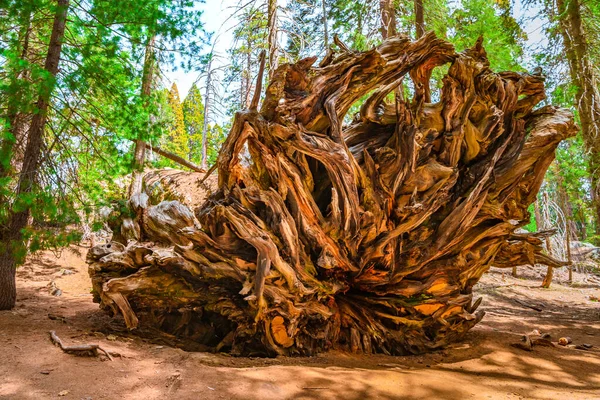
[367, 237]
[388, 18]
[139, 152]
[419, 19]
[272, 36]
[11, 243]
[325, 24]
[207, 105]
[587, 97]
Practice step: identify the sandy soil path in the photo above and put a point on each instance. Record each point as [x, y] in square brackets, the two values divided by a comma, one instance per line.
[483, 366]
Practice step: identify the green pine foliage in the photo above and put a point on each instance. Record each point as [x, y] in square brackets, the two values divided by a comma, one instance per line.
[177, 138]
[193, 117]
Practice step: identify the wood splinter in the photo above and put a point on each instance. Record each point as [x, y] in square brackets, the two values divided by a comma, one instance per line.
[80, 349]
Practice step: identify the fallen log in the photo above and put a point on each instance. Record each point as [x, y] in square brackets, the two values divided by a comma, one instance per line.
[79, 349]
[367, 237]
[175, 158]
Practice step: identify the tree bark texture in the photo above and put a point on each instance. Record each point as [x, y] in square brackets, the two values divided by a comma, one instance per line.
[419, 19]
[388, 18]
[139, 150]
[12, 235]
[367, 237]
[272, 27]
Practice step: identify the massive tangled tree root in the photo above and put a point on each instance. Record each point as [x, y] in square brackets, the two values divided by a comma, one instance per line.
[367, 237]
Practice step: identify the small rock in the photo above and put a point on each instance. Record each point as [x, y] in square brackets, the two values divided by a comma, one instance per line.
[111, 337]
[63, 393]
[66, 272]
[53, 289]
[563, 341]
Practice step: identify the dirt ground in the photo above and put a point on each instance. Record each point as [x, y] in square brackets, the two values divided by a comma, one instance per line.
[483, 366]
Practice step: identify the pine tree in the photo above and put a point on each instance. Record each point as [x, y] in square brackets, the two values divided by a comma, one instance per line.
[193, 115]
[78, 121]
[11, 234]
[177, 137]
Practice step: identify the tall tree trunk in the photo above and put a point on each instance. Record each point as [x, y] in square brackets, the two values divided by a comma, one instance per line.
[272, 36]
[14, 114]
[139, 153]
[325, 28]
[587, 97]
[206, 109]
[388, 18]
[12, 236]
[419, 20]
[247, 78]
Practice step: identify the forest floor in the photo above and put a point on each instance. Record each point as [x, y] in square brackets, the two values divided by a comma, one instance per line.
[483, 366]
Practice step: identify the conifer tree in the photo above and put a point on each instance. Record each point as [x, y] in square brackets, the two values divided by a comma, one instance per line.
[177, 137]
[193, 116]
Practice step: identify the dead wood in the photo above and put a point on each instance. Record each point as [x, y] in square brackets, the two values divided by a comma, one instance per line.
[367, 237]
[532, 306]
[175, 158]
[80, 349]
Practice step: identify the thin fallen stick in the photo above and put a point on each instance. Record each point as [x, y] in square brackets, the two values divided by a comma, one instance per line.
[81, 348]
[532, 306]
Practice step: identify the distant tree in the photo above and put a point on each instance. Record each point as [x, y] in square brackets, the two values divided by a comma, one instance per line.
[193, 116]
[177, 139]
[250, 39]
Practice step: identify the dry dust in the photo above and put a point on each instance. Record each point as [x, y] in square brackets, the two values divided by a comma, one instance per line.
[483, 366]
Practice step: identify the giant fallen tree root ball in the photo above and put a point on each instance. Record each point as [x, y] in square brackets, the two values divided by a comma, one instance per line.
[367, 237]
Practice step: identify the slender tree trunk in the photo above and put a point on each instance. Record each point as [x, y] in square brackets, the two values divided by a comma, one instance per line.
[550, 271]
[587, 97]
[540, 226]
[419, 19]
[14, 114]
[272, 36]
[175, 158]
[569, 258]
[247, 75]
[543, 224]
[206, 108]
[388, 18]
[325, 28]
[139, 153]
[12, 238]
[567, 211]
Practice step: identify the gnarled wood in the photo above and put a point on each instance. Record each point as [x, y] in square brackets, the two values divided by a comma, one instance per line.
[367, 237]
